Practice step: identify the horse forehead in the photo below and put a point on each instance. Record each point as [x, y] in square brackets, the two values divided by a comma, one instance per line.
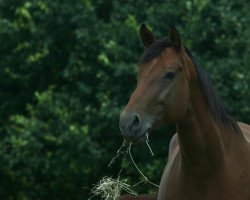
[151, 68]
[170, 56]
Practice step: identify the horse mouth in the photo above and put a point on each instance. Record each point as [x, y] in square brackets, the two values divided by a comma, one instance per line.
[143, 137]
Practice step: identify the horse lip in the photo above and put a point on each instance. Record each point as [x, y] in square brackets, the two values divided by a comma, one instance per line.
[143, 135]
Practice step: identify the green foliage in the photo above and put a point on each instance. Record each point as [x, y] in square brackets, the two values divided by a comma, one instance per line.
[68, 67]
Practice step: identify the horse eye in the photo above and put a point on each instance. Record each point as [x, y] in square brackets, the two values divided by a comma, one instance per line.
[170, 75]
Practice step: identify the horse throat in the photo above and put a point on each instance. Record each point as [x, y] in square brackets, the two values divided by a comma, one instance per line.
[200, 138]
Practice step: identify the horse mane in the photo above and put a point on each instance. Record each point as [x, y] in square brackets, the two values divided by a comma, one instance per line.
[215, 105]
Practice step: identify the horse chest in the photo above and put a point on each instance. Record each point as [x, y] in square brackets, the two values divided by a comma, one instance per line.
[176, 185]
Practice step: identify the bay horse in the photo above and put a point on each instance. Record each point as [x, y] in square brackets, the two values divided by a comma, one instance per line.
[209, 156]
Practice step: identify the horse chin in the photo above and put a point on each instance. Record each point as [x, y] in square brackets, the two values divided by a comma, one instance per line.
[142, 138]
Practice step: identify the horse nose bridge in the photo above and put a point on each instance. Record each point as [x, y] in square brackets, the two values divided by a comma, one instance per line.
[137, 99]
[130, 123]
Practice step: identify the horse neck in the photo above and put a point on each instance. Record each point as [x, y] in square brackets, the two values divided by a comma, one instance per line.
[201, 137]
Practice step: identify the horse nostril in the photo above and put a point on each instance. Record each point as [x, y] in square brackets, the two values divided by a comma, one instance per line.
[136, 121]
[130, 124]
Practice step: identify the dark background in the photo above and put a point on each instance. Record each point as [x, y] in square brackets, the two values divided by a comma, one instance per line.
[67, 68]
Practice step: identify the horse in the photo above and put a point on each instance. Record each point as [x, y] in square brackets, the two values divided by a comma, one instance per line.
[209, 156]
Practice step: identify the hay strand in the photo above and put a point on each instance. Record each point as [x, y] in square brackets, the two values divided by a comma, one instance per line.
[147, 142]
[144, 177]
[118, 153]
[110, 189]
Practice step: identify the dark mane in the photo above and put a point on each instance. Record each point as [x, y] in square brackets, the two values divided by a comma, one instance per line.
[214, 104]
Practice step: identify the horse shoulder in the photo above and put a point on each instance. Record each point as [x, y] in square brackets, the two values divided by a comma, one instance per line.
[169, 169]
[173, 146]
[245, 128]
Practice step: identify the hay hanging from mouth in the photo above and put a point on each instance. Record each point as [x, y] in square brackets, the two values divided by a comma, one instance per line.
[110, 189]
[140, 172]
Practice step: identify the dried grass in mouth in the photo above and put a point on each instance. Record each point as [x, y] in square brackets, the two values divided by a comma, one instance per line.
[110, 189]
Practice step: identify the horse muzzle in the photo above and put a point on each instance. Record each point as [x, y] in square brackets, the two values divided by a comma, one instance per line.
[134, 128]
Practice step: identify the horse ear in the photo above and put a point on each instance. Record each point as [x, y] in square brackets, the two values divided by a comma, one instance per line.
[146, 35]
[175, 38]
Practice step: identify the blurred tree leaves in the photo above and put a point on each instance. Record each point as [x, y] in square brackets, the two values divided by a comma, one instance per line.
[68, 67]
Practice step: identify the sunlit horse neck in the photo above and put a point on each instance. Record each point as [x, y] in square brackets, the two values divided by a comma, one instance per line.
[210, 156]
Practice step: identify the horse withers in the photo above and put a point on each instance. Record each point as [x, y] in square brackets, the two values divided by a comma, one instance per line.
[209, 157]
